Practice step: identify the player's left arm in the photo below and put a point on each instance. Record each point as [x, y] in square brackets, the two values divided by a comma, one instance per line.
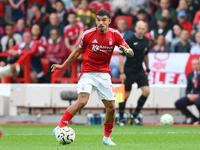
[127, 50]
[146, 62]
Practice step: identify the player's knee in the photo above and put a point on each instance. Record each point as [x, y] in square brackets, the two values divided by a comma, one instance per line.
[82, 104]
[111, 109]
[146, 92]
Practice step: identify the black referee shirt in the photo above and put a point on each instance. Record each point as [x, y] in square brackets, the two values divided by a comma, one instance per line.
[140, 49]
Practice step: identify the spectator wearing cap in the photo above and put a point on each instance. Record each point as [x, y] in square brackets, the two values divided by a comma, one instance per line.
[164, 4]
[181, 16]
[184, 45]
[54, 23]
[135, 6]
[196, 48]
[86, 16]
[17, 9]
[183, 6]
[162, 29]
[61, 12]
[39, 17]
[160, 47]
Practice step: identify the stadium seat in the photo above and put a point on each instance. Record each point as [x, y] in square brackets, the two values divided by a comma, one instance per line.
[45, 65]
[129, 20]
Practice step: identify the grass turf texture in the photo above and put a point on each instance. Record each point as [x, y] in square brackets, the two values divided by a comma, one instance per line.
[39, 137]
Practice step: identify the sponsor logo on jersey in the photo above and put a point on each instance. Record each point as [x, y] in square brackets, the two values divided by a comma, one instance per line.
[135, 43]
[94, 41]
[102, 48]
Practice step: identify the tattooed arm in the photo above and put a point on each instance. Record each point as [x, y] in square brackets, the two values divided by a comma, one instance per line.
[73, 56]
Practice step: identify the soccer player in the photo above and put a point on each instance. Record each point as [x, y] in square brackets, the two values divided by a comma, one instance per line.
[133, 71]
[96, 46]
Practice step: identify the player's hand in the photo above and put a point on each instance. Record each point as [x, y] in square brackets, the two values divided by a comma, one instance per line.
[55, 67]
[122, 77]
[122, 48]
[14, 53]
[147, 74]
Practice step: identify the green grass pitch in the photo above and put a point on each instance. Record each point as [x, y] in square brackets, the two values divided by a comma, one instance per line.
[39, 137]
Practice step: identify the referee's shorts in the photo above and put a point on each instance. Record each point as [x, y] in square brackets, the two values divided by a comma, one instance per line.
[139, 77]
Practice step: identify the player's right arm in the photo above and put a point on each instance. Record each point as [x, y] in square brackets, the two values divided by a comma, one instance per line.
[73, 56]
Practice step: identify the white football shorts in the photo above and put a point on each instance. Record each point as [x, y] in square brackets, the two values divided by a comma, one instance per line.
[99, 82]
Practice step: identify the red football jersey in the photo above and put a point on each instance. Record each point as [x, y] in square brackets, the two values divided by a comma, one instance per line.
[73, 32]
[42, 43]
[98, 49]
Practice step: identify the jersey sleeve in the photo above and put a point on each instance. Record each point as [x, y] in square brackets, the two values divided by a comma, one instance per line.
[83, 41]
[120, 40]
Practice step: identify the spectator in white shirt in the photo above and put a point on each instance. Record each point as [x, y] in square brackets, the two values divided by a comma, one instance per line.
[196, 48]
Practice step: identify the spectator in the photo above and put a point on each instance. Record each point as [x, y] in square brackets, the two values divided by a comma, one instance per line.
[162, 29]
[73, 32]
[31, 47]
[42, 4]
[122, 27]
[51, 7]
[164, 4]
[68, 4]
[61, 13]
[2, 12]
[181, 16]
[20, 27]
[101, 4]
[193, 7]
[10, 34]
[166, 14]
[37, 37]
[85, 15]
[146, 32]
[1, 32]
[54, 23]
[119, 7]
[183, 6]
[176, 35]
[192, 93]
[160, 47]
[196, 17]
[56, 51]
[184, 45]
[17, 9]
[196, 48]
[135, 6]
[195, 29]
[39, 17]
[75, 7]
[11, 43]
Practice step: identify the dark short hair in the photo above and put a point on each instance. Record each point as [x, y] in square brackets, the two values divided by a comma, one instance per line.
[59, 1]
[103, 12]
[56, 29]
[9, 25]
[72, 13]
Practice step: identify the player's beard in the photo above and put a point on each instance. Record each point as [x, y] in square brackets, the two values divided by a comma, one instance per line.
[101, 29]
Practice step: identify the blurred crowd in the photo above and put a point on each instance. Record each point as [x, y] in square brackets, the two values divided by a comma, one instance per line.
[52, 29]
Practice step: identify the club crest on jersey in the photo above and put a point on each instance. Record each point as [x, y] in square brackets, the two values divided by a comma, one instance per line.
[110, 41]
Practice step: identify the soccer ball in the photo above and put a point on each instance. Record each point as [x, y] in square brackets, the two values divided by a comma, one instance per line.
[167, 119]
[66, 135]
[1, 132]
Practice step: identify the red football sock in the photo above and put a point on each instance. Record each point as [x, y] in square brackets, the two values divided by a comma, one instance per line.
[108, 127]
[65, 119]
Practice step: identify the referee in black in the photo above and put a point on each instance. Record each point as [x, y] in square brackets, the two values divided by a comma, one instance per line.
[133, 71]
